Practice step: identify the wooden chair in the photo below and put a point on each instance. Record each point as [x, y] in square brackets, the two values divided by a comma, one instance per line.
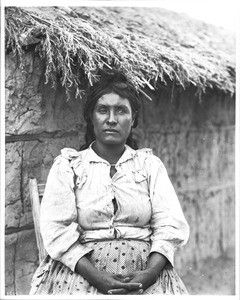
[36, 193]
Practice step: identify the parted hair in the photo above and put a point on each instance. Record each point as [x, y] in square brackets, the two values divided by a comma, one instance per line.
[112, 81]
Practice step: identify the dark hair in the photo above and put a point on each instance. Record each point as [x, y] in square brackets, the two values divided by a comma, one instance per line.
[111, 81]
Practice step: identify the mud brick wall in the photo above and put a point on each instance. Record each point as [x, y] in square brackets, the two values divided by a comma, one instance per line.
[194, 140]
[39, 122]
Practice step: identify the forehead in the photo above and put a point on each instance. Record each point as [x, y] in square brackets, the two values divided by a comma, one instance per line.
[113, 99]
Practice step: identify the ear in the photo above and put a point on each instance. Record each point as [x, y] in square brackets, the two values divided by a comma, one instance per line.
[91, 117]
[133, 120]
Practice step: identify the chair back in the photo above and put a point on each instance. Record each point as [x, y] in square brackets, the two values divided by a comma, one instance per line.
[36, 193]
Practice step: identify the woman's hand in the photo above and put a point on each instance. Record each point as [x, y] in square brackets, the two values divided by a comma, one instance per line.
[133, 283]
[144, 279]
[108, 283]
[105, 282]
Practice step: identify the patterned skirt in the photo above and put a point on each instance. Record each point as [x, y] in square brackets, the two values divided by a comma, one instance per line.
[115, 256]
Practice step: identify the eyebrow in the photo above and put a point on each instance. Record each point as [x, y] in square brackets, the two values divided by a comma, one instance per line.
[117, 106]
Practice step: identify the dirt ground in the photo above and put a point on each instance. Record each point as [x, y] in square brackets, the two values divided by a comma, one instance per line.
[215, 277]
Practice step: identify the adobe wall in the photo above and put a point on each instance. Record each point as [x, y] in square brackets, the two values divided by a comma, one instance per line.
[194, 140]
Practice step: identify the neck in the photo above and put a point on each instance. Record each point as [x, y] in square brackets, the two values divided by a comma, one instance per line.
[111, 153]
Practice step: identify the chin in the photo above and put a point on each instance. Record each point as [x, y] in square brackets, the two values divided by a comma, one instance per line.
[113, 142]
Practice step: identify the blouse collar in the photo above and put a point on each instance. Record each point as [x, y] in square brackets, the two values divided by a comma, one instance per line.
[128, 153]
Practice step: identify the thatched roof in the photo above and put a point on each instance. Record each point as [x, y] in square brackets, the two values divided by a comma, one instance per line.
[152, 46]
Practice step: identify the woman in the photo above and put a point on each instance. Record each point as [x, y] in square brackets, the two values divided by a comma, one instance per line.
[110, 218]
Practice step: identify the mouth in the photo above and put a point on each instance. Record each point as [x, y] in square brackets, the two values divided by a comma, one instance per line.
[110, 131]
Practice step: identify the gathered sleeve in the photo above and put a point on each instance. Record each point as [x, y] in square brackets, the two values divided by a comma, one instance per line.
[58, 217]
[170, 229]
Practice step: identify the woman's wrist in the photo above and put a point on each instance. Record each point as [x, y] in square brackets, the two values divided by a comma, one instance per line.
[153, 272]
[85, 268]
[156, 263]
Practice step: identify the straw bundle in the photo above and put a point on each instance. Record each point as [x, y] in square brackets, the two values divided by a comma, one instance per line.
[151, 46]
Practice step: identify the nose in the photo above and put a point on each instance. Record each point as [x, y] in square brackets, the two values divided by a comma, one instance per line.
[112, 118]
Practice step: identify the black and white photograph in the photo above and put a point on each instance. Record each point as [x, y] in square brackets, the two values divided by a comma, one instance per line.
[119, 149]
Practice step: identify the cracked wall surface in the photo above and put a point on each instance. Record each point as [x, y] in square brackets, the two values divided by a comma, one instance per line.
[195, 141]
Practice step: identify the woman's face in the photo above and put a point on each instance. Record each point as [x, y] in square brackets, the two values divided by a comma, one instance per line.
[112, 119]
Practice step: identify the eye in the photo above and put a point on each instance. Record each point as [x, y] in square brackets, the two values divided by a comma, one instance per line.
[102, 110]
[121, 111]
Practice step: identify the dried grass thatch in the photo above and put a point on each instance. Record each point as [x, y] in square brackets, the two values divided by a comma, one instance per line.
[151, 46]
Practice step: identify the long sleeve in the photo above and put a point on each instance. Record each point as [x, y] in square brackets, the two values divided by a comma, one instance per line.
[169, 226]
[58, 221]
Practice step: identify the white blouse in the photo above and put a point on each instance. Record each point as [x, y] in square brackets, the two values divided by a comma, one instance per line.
[83, 203]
